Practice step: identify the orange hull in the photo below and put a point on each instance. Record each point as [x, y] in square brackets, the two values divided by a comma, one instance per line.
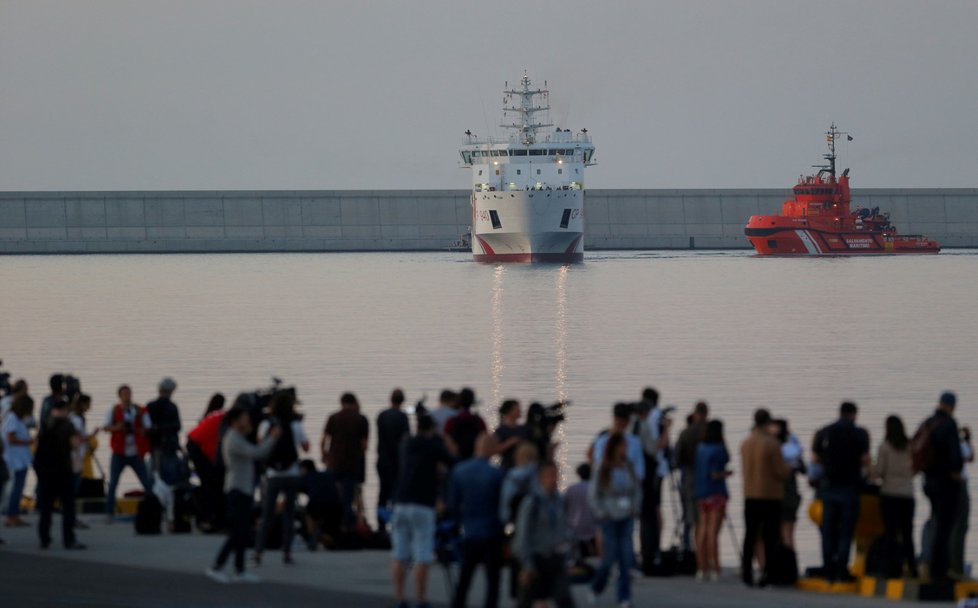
[779, 235]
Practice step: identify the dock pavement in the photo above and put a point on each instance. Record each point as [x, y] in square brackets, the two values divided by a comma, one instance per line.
[120, 569]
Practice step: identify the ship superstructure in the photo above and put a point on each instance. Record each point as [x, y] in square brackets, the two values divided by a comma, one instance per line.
[528, 188]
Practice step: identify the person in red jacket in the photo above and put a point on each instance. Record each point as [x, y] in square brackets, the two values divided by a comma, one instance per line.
[202, 447]
[127, 422]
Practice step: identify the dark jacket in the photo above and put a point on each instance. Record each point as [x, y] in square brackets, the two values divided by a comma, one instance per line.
[165, 430]
[54, 449]
[946, 449]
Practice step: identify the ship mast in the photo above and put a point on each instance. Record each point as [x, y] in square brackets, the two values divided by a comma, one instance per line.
[525, 109]
[831, 136]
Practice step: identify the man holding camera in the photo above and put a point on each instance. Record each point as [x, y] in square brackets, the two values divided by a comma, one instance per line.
[127, 422]
[651, 426]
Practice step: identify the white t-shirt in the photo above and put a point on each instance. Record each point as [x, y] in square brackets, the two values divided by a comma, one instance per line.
[129, 415]
[18, 457]
[298, 434]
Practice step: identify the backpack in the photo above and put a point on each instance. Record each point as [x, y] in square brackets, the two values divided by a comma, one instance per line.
[149, 515]
[284, 454]
[922, 447]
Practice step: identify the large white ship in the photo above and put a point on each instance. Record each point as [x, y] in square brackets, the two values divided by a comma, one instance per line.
[528, 188]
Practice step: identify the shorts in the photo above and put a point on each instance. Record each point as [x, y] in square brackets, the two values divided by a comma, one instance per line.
[413, 533]
[717, 502]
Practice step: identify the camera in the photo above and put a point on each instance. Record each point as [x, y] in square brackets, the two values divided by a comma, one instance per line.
[127, 426]
[5, 387]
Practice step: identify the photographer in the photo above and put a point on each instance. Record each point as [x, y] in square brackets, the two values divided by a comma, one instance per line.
[509, 433]
[652, 425]
[127, 423]
[282, 475]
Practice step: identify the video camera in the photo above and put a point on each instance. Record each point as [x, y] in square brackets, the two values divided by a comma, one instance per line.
[5, 387]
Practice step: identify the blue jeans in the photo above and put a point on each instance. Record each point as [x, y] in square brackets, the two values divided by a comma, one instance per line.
[116, 466]
[616, 539]
[18, 480]
[840, 510]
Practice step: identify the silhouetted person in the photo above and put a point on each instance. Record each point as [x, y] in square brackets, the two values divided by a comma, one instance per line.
[129, 424]
[239, 457]
[473, 496]
[56, 442]
[344, 448]
[942, 480]
[464, 427]
[894, 469]
[57, 384]
[413, 524]
[842, 450]
[510, 433]
[164, 434]
[392, 427]
[540, 542]
[764, 472]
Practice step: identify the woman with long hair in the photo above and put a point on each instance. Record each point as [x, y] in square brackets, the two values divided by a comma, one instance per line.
[710, 490]
[215, 404]
[894, 469]
[616, 499]
[282, 473]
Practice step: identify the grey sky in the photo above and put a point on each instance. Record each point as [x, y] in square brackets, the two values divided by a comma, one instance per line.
[296, 95]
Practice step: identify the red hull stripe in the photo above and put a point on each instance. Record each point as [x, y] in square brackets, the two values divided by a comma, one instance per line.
[485, 246]
[574, 244]
[525, 258]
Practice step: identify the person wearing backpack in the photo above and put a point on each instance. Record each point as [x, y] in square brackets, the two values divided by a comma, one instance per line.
[842, 449]
[937, 453]
[282, 475]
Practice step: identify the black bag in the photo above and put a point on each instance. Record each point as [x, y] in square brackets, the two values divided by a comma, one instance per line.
[784, 567]
[184, 508]
[149, 515]
[672, 562]
[91, 488]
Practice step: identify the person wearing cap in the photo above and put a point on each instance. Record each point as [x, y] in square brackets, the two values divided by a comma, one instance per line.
[942, 480]
[164, 434]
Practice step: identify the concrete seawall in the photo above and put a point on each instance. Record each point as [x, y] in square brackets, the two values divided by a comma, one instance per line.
[393, 220]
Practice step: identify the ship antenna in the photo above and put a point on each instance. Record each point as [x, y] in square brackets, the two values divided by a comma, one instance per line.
[831, 136]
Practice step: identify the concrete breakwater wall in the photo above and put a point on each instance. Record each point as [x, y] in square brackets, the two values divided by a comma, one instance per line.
[394, 220]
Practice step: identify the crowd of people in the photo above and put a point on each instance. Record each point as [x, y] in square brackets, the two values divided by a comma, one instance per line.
[452, 489]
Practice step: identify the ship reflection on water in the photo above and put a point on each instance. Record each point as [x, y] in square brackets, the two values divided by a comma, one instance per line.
[514, 385]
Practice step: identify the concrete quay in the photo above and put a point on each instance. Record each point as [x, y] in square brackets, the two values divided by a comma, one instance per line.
[122, 569]
[418, 220]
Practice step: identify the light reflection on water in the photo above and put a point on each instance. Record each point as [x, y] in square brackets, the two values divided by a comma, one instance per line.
[795, 335]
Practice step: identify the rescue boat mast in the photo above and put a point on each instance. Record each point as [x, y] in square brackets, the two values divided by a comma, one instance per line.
[831, 136]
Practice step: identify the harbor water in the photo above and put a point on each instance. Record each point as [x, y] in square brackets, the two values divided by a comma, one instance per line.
[794, 335]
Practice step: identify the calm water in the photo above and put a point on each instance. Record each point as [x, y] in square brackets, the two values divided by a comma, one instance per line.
[795, 335]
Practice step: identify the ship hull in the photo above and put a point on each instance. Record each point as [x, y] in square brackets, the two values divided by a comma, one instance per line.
[528, 226]
[783, 236]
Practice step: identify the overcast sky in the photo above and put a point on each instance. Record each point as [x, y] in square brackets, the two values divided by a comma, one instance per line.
[335, 95]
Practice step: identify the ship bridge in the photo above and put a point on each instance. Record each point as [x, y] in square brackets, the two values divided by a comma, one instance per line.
[535, 155]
